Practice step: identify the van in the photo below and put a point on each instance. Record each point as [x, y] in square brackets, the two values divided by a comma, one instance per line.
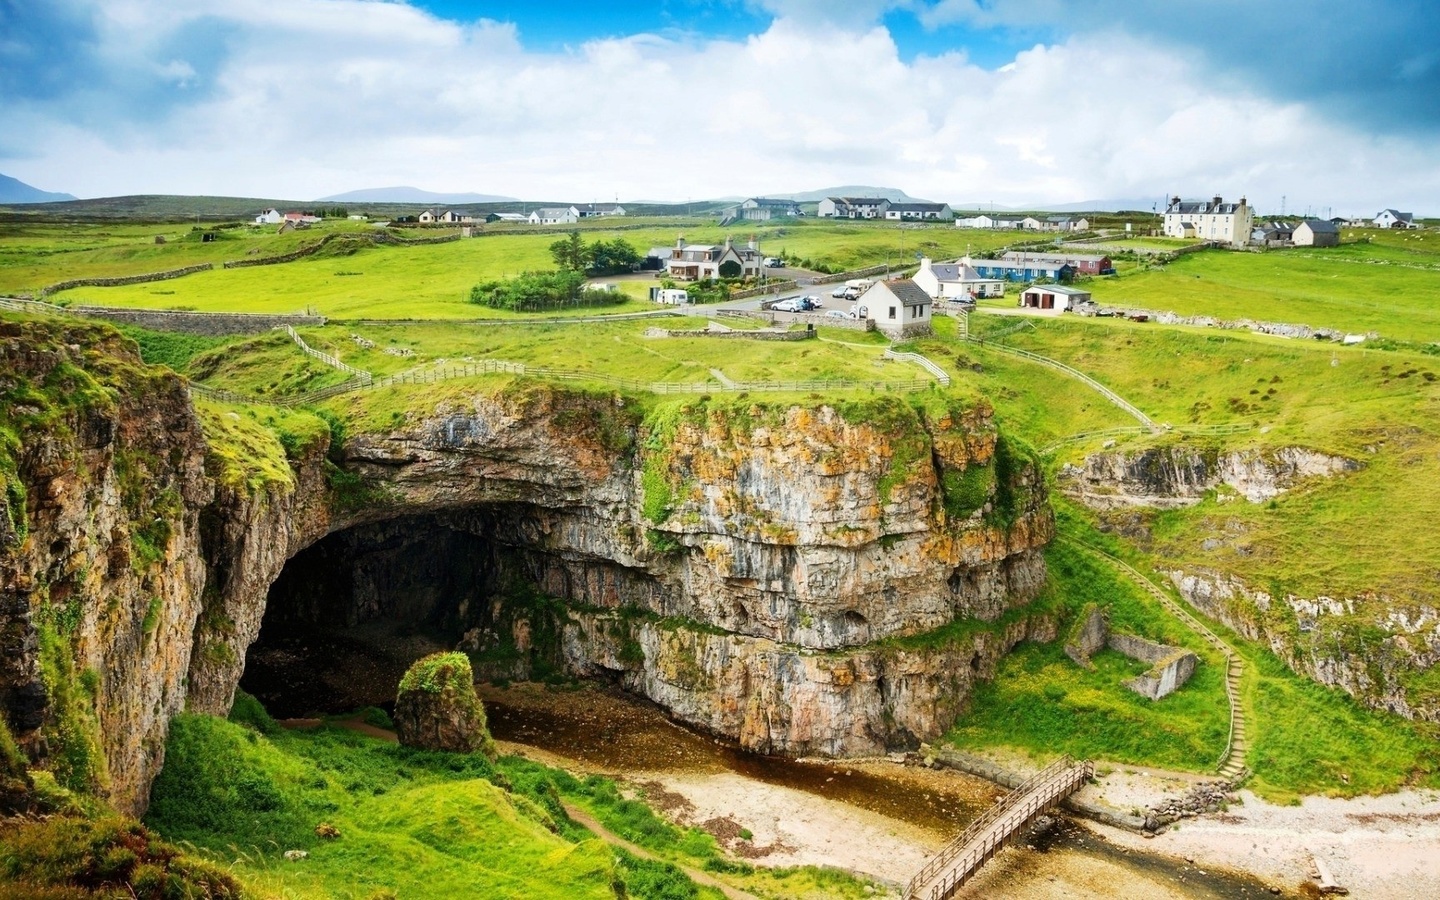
[860, 284]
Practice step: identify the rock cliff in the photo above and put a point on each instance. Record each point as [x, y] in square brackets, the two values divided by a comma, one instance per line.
[800, 578]
[1181, 475]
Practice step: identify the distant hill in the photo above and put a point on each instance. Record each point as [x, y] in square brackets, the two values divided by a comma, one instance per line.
[1135, 204]
[411, 195]
[13, 190]
[848, 190]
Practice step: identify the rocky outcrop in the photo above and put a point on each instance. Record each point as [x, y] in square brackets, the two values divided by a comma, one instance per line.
[1368, 646]
[101, 572]
[436, 707]
[1181, 475]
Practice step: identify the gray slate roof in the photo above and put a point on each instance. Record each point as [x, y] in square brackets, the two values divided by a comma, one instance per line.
[956, 272]
[908, 292]
[1322, 226]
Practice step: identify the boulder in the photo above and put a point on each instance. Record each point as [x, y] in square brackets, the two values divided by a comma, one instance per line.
[436, 708]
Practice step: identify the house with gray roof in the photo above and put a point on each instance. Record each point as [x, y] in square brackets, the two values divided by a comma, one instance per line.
[853, 208]
[555, 215]
[762, 209]
[907, 212]
[956, 281]
[1390, 218]
[1316, 233]
[899, 308]
[1210, 220]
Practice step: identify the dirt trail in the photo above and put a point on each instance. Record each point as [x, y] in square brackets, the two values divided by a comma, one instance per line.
[610, 837]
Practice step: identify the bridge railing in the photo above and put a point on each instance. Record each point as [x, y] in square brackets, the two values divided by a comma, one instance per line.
[952, 851]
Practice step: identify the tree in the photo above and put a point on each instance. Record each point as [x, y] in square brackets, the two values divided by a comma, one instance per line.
[730, 269]
[613, 257]
[571, 254]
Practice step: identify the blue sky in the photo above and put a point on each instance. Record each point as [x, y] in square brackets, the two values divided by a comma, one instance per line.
[1013, 101]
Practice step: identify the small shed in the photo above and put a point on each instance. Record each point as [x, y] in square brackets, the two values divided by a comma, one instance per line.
[1052, 298]
[1316, 233]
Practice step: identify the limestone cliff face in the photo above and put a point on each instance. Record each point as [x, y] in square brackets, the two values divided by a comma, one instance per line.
[1366, 645]
[754, 568]
[100, 565]
[1171, 477]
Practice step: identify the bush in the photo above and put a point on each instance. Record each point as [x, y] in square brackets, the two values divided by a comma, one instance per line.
[539, 291]
[76, 857]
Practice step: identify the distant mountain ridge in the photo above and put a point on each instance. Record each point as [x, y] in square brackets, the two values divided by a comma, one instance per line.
[848, 190]
[13, 190]
[405, 194]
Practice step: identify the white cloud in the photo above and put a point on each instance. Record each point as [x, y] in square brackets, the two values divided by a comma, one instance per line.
[320, 96]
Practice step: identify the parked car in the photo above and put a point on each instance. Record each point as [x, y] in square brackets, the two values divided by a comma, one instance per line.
[842, 292]
[791, 304]
[774, 262]
[808, 303]
[838, 314]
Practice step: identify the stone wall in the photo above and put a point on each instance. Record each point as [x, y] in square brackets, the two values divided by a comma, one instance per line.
[733, 335]
[1170, 667]
[125, 279]
[1087, 636]
[1166, 677]
[185, 322]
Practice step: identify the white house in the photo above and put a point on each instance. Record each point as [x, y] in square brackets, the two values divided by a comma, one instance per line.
[1030, 223]
[456, 217]
[975, 222]
[762, 209]
[555, 215]
[696, 262]
[853, 208]
[1210, 220]
[898, 308]
[1316, 233]
[1052, 298]
[269, 217]
[1390, 218]
[956, 281]
[918, 211]
[428, 217]
[591, 210]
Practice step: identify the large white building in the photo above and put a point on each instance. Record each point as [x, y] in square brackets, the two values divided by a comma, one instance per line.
[696, 262]
[1210, 220]
[956, 281]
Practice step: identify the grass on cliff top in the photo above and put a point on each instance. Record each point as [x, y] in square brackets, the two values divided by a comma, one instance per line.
[1305, 738]
[272, 365]
[1336, 536]
[1385, 286]
[249, 448]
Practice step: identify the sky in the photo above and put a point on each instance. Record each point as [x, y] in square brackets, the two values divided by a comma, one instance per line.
[1329, 106]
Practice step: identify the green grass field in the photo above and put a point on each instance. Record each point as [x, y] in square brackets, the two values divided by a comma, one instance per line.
[419, 282]
[1387, 286]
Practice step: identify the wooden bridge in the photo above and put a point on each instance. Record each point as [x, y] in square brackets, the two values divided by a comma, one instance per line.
[959, 860]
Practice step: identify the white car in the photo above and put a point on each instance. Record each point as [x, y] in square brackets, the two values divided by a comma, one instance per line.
[787, 306]
[838, 314]
[841, 292]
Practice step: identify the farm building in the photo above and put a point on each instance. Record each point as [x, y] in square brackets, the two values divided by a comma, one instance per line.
[269, 217]
[1082, 263]
[508, 218]
[1272, 234]
[1316, 233]
[899, 308]
[1064, 223]
[1210, 220]
[456, 217]
[695, 262]
[609, 209]
[1052, 298]
[957, 281]
[1031, 269]
[975, 222]
[1390, 218]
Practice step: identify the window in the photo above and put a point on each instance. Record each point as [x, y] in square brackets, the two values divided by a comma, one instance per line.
[892, 312]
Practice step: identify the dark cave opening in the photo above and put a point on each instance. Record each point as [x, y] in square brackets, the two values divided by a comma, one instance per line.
[350, 613]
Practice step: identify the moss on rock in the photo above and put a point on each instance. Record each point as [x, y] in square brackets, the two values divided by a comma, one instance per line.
[437, 709]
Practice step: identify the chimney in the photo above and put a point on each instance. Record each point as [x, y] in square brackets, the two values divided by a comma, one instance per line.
[680, 242]
[754, 244]
[1217, 202]
[1175, 200]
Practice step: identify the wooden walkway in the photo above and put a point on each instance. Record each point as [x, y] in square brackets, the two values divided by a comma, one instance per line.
[1232, 761]
[959, 860]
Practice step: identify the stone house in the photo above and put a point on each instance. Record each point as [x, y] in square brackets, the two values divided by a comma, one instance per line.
[1210, 220]
[1316, 233]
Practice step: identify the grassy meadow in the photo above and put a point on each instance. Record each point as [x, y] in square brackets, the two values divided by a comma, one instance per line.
[412, 823]
[429, 281]
[1378, 281]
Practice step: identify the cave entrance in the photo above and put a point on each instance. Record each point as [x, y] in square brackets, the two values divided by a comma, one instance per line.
[350, 613]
